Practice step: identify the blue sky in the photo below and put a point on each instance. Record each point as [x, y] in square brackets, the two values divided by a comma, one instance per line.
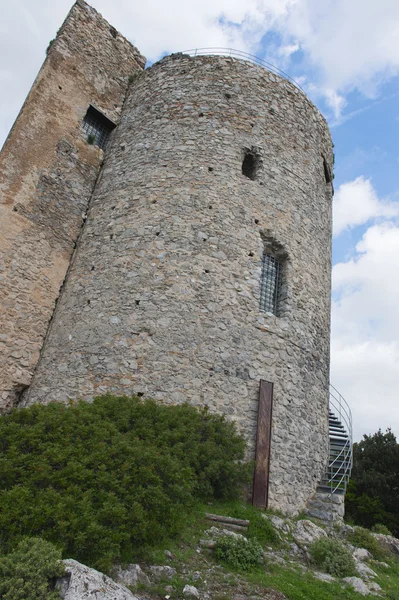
[345, 55]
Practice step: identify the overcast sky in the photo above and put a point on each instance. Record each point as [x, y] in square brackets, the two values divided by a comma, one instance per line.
[345, 54]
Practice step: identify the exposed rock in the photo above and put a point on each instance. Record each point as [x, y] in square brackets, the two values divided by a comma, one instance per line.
[347, 530]
[277, 522]
[162, 572]
[388, 542]
[84, 583]
[362, 554]
[323, 576]
[132, 575]
[307, 532]
[358, 585]
[190, 591]
[364, 571]
[374, 587]
[216, 532]
[274, 558]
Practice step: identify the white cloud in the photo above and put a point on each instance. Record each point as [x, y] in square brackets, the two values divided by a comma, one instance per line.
[353, 43]
[365, 329]
[356, 203]
[344, 44]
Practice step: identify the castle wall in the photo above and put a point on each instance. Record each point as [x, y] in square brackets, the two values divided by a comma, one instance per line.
[163, 297]
[47, 174]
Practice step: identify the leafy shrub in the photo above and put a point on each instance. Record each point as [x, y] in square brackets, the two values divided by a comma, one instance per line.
[380, 528]
[332, 557]
[363, 538]
[107, 478]
[239, 552]
[27, 572]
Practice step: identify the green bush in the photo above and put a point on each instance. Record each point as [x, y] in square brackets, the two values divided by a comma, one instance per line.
[28, 572]
[332, 557]
[238, 552]
[107, 478]
[380, 528]
[363, 538]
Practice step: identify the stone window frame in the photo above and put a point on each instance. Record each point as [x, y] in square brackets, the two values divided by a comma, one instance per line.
[273, 281]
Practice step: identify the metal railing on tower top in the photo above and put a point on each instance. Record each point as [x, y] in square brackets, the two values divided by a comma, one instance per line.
[230, 52]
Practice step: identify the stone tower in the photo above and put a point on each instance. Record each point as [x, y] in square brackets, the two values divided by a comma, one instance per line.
[47, 175]
[202, 272]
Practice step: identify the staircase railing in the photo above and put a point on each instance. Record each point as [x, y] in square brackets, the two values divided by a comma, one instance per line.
[340, 466]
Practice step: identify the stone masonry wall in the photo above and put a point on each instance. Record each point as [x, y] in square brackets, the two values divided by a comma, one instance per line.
[47, 174]
[163, 297]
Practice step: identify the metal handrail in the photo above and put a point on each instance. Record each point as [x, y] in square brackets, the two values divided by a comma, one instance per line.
[340, 408]
[230, 52]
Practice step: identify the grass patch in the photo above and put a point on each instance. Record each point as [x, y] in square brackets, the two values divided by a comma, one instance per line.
[363, 538]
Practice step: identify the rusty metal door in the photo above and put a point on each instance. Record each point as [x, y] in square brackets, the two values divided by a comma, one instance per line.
[263, 438]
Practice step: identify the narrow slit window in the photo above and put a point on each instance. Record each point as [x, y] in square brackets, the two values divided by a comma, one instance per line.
[97, 127]
[271, 284]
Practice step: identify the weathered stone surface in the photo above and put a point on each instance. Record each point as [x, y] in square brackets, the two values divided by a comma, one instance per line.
[47, 174]
[388, 542]
[324, 577]
[190, 591]
[307, 532]
[362, 554]
[163, 295]
[131, 575]
[365, 571]
[218, 531]
[159, 572]
[358, 585]
[277, 522]
[327, 507]
[85, 584]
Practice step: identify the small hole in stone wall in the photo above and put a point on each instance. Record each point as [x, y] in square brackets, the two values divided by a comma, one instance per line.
[154, 201]
[226, 372]
[252, 124]
[88, 302]
[111, 237]
[60, 87]
[210, 169]
[140, 394]
[93, 267]
[112, 207]
[257, 221]
[227, 95]
[250, 254]
[210, 206]
[249, 165]
[206, 271]
[137, 302]
[15, 209]
[113, 31]
[157, 233]
[200, 114]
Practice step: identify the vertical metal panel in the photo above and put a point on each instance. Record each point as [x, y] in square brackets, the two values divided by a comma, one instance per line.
[263, 438]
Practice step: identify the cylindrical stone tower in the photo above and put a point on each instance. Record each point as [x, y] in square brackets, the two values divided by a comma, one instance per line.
[204, 266]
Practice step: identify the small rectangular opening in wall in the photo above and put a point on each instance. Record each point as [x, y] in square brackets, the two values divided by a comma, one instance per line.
[97, 127]
[271, 285]
[250, 164]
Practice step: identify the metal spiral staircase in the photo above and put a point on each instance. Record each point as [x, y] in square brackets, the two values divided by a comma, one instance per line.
[328, 501]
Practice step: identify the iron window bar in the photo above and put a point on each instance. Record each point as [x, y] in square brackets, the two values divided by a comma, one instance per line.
[97, 127]
[270, 284]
